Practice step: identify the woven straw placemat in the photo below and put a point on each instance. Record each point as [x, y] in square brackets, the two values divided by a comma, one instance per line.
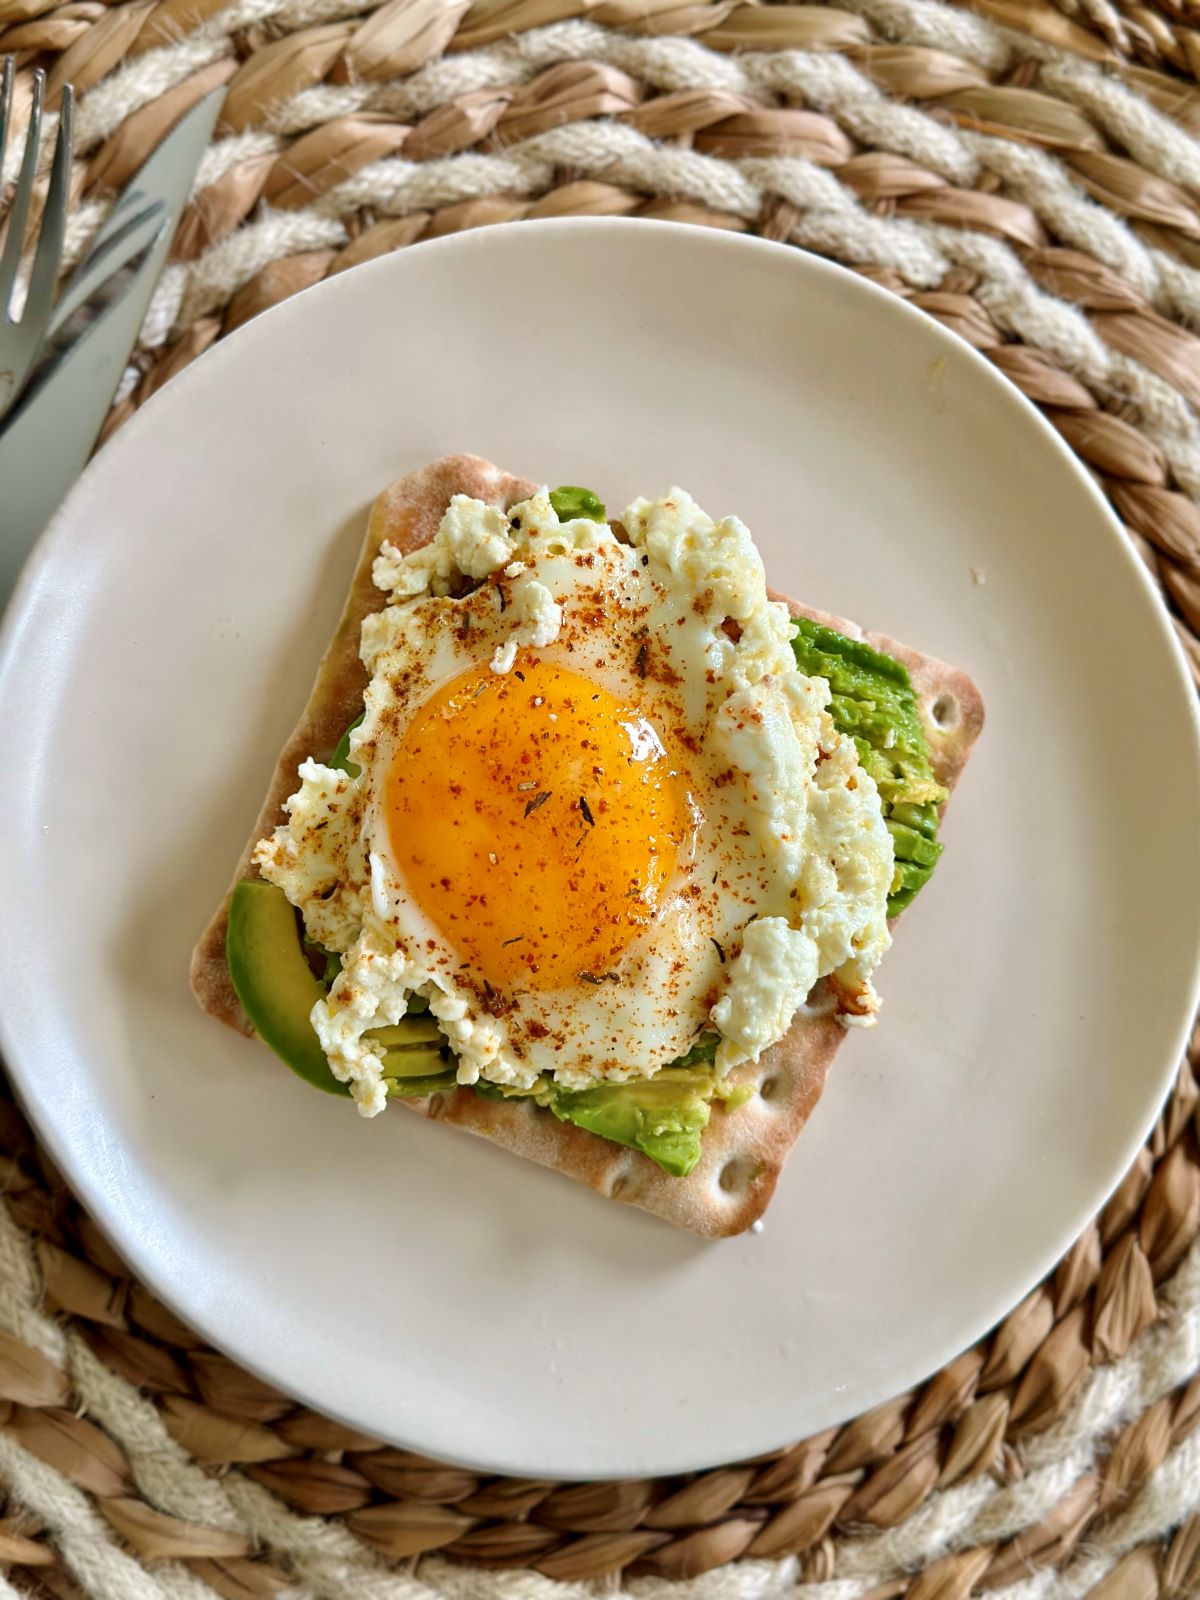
[1029, 175]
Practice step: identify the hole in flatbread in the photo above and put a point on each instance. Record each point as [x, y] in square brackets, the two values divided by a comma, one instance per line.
[944, 711]
[620, 1184]
[738, 1174]
[773, 1086]
[437, 1104]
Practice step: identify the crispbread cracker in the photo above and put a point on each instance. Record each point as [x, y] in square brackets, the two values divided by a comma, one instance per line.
[743, 1151]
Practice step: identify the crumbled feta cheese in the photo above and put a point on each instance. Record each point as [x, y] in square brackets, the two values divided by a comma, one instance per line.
[535, 622]
[317, 858]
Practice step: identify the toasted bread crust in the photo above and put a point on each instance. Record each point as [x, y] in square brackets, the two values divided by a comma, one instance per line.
[743, 1151]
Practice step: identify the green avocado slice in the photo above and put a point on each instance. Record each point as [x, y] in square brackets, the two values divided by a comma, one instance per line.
[341, 753]
[872, 702]
[415, 1088]
[703, 1052]
[413, 1033]
[415, 1051]
[274, 982]
[278, 990]
[663, 1116]
[571, 503]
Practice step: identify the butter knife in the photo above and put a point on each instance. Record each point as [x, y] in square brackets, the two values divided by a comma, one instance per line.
[47, 438]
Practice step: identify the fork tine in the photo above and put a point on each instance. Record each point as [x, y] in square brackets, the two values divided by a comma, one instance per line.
[46, 262]
[6, 94]
[18, 214]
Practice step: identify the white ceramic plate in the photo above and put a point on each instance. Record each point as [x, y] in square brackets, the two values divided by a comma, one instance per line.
[427, 1288]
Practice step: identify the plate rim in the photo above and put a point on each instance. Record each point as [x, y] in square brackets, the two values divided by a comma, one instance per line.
[91, 1195]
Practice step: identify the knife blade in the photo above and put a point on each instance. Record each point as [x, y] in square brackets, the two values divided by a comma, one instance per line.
[127, 233]
[47, 438]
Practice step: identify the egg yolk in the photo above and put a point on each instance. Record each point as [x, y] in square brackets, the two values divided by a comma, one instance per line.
[537, 821]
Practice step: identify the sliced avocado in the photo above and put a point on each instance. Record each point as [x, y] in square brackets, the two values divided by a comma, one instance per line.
[909, 845]
[923, 818]
[909, 878]
[341, 754]
[704, 1050]
[489, 1091]
[408, 1033]
[663, 1117]
[872, 702]
[421, 1062]
[571, 503]
[414, 1048]
[415, 1087]
[733, 1095]
[331, 962]
[274, 981]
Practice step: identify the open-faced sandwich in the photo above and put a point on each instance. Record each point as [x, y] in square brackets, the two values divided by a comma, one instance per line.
[586, 843]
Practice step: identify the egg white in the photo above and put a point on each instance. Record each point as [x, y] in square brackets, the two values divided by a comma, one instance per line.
[786, 879]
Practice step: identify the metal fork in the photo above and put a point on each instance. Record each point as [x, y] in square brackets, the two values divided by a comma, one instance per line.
[21, 337]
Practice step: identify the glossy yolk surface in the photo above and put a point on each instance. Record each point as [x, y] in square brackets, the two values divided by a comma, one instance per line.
[537, 821]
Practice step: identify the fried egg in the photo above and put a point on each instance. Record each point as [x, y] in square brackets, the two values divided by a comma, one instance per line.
[598, 810]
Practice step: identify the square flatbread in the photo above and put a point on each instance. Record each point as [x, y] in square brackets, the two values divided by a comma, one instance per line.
[744, 1150]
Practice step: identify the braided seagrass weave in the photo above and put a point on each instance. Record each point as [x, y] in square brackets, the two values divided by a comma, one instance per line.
[1029, 175]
